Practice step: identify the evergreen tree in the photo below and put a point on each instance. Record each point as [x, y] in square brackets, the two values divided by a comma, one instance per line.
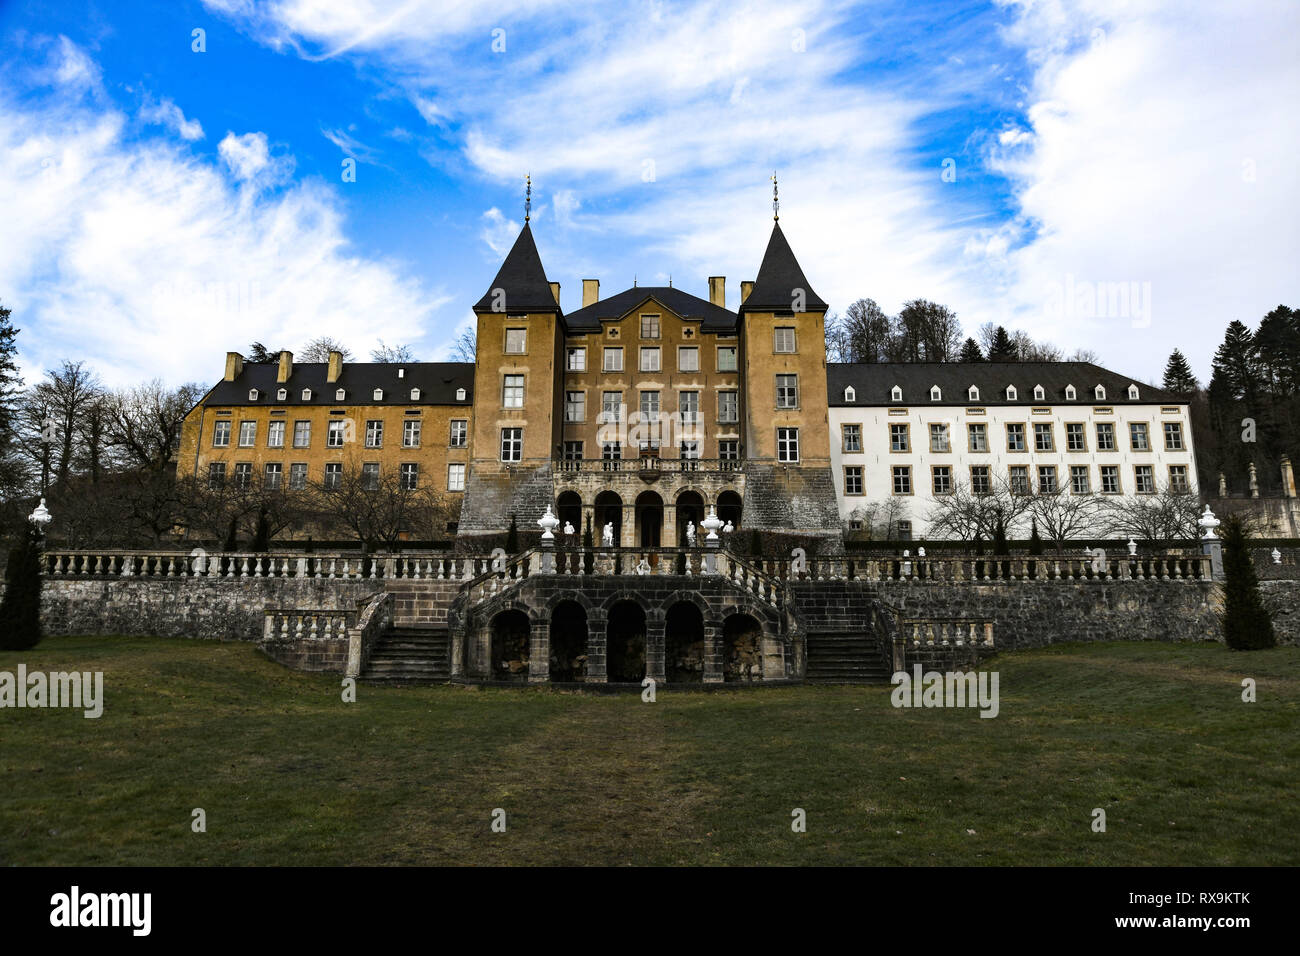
[20, 609]
[1000, 540]
[512, 537]
[1002, 348]
[1178, 374]
[1235, 363]
[10, 383]
[1035, 542]
[970, 352]
[262, 538]
[232, 536]
[1246, 624]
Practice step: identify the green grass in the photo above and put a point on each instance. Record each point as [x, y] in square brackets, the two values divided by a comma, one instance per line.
[1155, 734]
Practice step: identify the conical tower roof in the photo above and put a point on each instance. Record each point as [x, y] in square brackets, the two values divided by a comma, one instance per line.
[523, 279]
[778, 278]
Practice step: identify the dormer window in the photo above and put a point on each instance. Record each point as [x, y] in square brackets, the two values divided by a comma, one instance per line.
[973, 394]
[282, 395]
[339, 394]
[252, 394]
[379, 395]
[1039, 394]
[1099, 393]
[1133, 392]
[1070, 393]
[460, 395]
[896, 394]
[850, 395]
[1011, 393]
[306, 394]
[935, 394]
[415, 394]
[401, 373]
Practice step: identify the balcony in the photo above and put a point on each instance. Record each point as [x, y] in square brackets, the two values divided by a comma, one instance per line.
[649, 466]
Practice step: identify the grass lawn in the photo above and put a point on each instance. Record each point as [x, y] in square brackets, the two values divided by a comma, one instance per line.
[1155, 734]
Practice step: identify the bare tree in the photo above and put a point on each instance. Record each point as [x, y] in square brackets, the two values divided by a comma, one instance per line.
[967, 514]
[144, 423]
[1062, 516]
[379, 509]
[392, 354]
[1162, 518]
[465, 348]
[53, 415]
[319, 348]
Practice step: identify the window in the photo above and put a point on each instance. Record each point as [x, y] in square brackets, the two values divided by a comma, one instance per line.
[455, 477]
[941, 480]
[1011, 393]
[217, 474]
[1105, 436]
[649, 326]
[1099, 393]
[370, 476]
[302, 434]
[689, 450]
[650, 407]
[853, 479]
[935, 394]
[902, 480]
[333, 476]
[650, 358]
[306, 394]
[611, 451]
[221, 435]
[850, 395]
[575, 359]
[851, 439]
[1110, 479]
[340, 394]
[978, 435]
[611, 406]
[275, 435]
[1019, 479]
[415, 394]
[904, 531]
[1138, 438]
[243, 474]
[516, 341]
[573, 451]
[1173, 436]
[298, 476]
[972, 394]
[726, 358]
[1070, 393]
[855, 524]
[1133, 392]
[1039, 394]
[898, 438]
[688, 403]
[1043, 437]
[282, 395]
[336, 433]
[252, 394]
[1178, 479]
[411, 433]
[1015, 437]
[512, 392]
[247, 434]
[512, 444]
[728, 406]
[980, 481]
[939, 437]
[729, 449]
[688, 359]
[274, 473]
[787, 444]
[410, 476]
[1047, 479]
[613, 360]
[460, 394]
[895, 394]
[1079, 480]
[1075, 439]
[378, 394]
[783, 339]
[374, 434]
[1144, 479]
[459, 433]
[787, 391]
[575, 406]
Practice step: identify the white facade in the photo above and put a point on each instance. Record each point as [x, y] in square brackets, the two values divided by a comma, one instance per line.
[1167, 460]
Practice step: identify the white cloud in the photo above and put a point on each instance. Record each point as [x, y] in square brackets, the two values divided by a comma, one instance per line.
[167, 113]
[247, 156]
[498, 232]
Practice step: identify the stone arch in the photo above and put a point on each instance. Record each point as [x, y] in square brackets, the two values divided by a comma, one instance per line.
[568, 640]
[510, 641]
[568, 594]
[730, 507]
[742, 647]
[684, 644]
[608, 507]
[568, 507]
[626, 629]
[649, 514]
[706, 609]
[688, 505]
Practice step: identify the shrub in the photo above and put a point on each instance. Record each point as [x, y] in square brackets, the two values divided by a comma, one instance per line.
[20, 610]
[1246, 624]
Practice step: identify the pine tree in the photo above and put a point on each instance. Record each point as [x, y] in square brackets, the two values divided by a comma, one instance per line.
[512, 537]
[1178, 374]
[1236, 362]
[1246, 624]
[20, 609]
[262, 538]
[1002, 349]
[10, 382]
[1035, 542]
[970, 352]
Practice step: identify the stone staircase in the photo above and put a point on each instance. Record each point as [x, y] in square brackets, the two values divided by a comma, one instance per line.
[410, 655]
[842, 645]
[844, 658]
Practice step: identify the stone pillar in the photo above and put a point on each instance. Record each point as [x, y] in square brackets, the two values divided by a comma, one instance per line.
[458, 653]
[668, 533]
[539, 652]
[712, 653]
[1288, 478]
[1254, 482]
[628, 536]
[655, 650]
[1214, 548]
[596, 645]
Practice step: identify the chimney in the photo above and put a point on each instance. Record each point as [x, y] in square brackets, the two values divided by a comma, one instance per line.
[745, 289]
[718, 291]
[555, 291]
[234, 366]
[286, 367]
[1288, 478]
[590, 292]
[335, 367]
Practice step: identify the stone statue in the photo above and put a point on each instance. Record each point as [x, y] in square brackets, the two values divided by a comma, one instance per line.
[690, 534]
[1254, 482]
[1223, 486]
[644, 566]
[607, 535]
[568, 529]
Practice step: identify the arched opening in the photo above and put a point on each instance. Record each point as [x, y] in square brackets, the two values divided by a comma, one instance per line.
[625, 644]
[690, 507]
[729, 506]
[684, 644]
[649, 519]
[742, 649]
[568, 642]
[510, 634]
[568, 508]
[609, 510]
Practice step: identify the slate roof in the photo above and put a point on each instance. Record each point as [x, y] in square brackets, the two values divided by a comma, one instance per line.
[778, 277]
[523, 278]
[437, 382]
[715, 318]
[873, 383]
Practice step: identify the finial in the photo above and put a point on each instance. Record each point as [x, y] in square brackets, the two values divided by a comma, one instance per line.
[776, 206]
[670, 280]
[634, 280]
[528, 197]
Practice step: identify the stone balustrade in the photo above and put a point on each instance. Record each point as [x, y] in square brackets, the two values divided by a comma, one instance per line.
[924, 632]
[298, 625]
[948, 569]
[172, 564]
[589, 466]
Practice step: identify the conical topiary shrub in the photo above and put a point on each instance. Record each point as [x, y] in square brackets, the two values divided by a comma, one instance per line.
[1246, 624]
[20, 610]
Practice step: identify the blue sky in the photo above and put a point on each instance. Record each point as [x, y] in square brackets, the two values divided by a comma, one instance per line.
[166, 205]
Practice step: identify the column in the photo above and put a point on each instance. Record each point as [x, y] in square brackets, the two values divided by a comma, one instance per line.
[712, 653]
[596, 624]
[654, 649]
[539, 652]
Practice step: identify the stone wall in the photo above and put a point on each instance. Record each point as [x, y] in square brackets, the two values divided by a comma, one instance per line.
[1282, 598]
[422, 602]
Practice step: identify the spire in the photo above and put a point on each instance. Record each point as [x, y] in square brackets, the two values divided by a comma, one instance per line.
[776, 204]
[522, 281]
[528, 198]
[780, 280]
